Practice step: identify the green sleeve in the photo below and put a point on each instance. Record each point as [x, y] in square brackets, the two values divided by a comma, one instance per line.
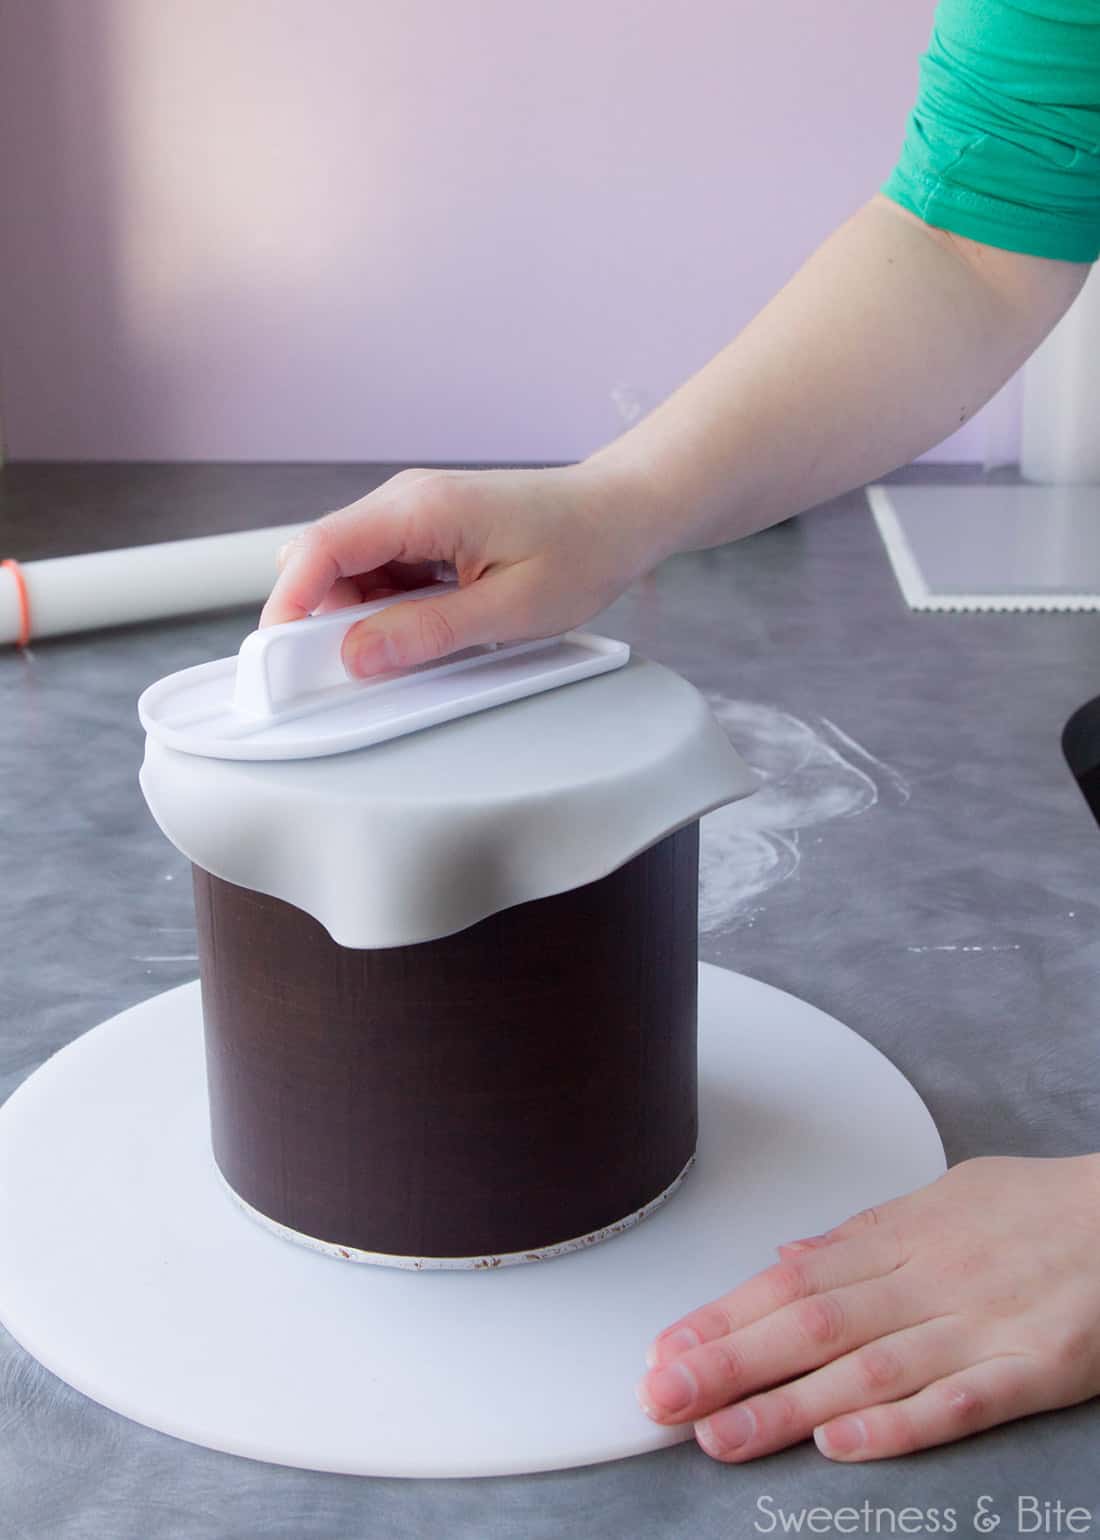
[1003, 144]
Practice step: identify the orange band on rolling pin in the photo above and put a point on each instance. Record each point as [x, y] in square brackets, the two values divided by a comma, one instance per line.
[22, 598]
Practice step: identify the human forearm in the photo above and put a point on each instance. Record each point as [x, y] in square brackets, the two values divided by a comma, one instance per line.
[890, 336]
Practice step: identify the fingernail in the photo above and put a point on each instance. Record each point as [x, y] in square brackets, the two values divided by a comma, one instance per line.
[726, 1430]
[666, 1390]
[678, 1341]
[842, 1436]
[281, 553]
[369, 654]
[807, 1243]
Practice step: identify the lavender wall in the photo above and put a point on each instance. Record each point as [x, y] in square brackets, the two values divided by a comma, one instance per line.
[341, 229]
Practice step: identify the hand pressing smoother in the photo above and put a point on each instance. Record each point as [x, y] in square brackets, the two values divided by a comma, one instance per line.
[965, 1304]
[535, 553]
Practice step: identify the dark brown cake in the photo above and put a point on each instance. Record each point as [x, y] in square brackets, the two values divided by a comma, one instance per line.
[513, 1086]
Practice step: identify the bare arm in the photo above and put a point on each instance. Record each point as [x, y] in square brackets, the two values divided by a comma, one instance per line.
[885, 340]
[889, 337]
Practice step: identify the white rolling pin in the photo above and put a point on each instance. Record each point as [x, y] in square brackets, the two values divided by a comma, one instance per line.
[1060, 429]
[147, 582]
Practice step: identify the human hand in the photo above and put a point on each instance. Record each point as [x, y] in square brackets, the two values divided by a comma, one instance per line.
[965, 1304]
[535, 553]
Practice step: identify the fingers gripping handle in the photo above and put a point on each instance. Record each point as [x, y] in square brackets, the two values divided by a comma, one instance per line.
[283, 668]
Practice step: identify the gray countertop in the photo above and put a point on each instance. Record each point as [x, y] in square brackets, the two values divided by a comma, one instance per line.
[933, 881]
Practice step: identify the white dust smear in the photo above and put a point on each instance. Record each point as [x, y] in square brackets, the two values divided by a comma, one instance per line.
[1012, 946]
[752, 845]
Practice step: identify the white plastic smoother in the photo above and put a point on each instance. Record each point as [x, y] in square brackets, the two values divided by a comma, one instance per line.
[287, 695]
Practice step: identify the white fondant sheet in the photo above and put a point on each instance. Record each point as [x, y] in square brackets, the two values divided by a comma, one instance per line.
[419, 837]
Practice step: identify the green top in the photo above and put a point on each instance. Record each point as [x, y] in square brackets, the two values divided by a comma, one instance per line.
[1003, 144]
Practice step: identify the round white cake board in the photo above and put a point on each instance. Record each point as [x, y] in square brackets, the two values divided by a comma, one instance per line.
[127, 1270]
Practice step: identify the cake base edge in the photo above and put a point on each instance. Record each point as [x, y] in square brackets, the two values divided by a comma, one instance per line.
[474, 1263]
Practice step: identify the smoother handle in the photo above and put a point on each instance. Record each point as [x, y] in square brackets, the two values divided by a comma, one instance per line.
[282, 666]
